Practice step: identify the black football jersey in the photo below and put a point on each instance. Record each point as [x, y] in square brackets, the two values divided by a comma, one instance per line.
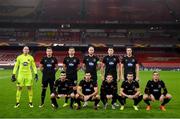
[111, 63]
[87, 87]
[49, 65]
[129, 64]
[91, 64]
[71, 65]
[130, 88]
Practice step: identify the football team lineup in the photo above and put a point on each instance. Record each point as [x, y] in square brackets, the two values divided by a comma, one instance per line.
[88, 89]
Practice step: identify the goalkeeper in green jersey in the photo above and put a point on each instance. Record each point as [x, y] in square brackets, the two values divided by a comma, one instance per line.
[23, 68]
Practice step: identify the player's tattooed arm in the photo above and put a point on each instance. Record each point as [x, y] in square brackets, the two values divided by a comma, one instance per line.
[137, 92]
[95, 92]
[102, 70]
[79, 91]
[122, 93]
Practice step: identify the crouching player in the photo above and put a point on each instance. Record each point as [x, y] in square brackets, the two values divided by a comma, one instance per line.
[130, 89]
[62, 89]
[153, 92]
[108, 91]
[87, 91]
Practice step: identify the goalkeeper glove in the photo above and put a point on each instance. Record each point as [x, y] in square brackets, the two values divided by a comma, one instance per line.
[13, 78]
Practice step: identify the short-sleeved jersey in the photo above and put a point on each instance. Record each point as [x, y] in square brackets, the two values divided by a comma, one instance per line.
[91, 64]
[25, 64]
[49, 65]
[62, 87]
[108, 88]
[130, 88]
[71, 65]
[129, 64]
[87, 87]
[155, 88]
[111, 63]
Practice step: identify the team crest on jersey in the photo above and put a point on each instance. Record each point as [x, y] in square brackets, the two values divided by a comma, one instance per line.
[94, 60]
[114, 59]
[91, 85]
[133, 60]
[74, 60]
[159, 86]
[52, 61]
[25, 63]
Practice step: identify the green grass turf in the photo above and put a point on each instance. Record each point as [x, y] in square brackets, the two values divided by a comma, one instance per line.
[8, 91]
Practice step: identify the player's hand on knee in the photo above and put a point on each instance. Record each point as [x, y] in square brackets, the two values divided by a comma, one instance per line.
[53, 95]
[152, 98]
[109, 96]
[86, 97]
[161, 98]
[13, 78]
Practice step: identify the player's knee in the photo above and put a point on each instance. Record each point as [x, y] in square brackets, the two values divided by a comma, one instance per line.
[145, 97]
[53, 95]
[77, 96]
[72, 95]
[98, 97]
[168, 96]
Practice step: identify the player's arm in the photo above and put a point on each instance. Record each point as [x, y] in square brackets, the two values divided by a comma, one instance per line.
[56, 65]
[79, 91]
[122, 92]
[79, 64]
[34, 66]
[137, 72]
[16, 66]
[118, 72]
[103, 90]
[164, 89]
[137, 92]
[146, 91]
[102, 70]
[95, 92]
[41, 67]
[122, 71]
[64, 65]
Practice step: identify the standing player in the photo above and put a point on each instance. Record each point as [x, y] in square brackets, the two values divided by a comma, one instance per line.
[62, 89]
[108, 91]
[112, 66]
[24, 65]
[49, 67]
[153, 92]
[91, 64]
[87, 91]
[130, 89]
[129, 64]
[71, 65]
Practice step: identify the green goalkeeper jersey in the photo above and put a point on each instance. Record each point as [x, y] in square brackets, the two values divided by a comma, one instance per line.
[25, 64]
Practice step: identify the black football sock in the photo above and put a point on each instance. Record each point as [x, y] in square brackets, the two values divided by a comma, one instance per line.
[147, 101]
[137, 100]
[43, 95]
[165, 101]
